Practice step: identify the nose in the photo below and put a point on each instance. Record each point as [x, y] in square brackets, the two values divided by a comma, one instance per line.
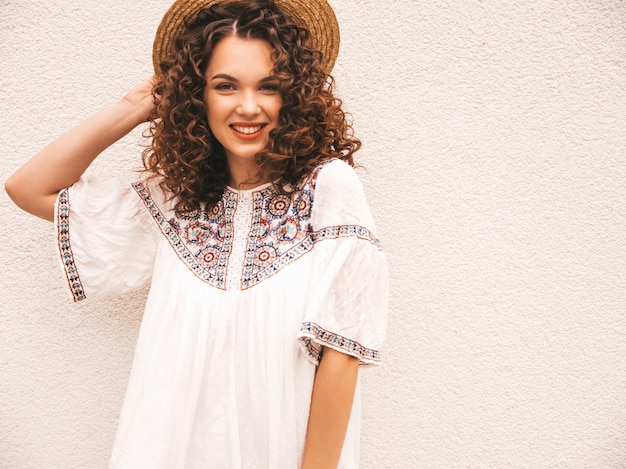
[249, 104]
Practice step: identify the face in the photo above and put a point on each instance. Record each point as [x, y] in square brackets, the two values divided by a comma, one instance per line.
[243, 101]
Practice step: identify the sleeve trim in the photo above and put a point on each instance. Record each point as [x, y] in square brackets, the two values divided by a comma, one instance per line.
[62, 225]
[313, 337]
[344, 231]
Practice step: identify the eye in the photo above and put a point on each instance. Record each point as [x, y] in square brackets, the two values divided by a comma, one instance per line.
[224, 87]
[270, 87]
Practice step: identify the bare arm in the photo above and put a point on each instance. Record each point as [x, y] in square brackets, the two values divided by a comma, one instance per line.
[331, 403]
[35, 185]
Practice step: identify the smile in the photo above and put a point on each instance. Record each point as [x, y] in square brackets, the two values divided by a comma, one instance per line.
[247, 129]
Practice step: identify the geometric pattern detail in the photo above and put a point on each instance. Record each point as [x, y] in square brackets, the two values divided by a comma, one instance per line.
[343, 231]
[280, 232]
[65, 249]
[311, 331]
[193, 234]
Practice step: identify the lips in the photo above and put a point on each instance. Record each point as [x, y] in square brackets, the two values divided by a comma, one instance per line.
[247, 130]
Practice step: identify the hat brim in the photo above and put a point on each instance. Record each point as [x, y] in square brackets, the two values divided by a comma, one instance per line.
[316, 16]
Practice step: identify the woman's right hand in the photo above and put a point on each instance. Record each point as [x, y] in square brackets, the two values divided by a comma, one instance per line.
[141, 99]
[34, 186]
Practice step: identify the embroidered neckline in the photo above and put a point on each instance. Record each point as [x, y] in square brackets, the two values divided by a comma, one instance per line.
[249, 235]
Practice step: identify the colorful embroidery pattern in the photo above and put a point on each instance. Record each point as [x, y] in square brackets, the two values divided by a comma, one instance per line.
[65, 249]
[310, 332]
[279, 233]
[343, 231]
[204, 242]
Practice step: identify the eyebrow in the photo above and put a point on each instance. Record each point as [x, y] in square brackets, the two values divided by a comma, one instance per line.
[224, 76]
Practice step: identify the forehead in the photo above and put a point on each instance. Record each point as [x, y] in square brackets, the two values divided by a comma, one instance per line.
[241, 55]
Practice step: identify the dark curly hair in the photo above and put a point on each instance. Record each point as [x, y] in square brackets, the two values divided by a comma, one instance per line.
[311, 128]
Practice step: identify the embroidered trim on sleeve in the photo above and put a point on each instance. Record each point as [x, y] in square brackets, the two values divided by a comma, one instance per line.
[310, 332]
[344, 231]
[65, 249]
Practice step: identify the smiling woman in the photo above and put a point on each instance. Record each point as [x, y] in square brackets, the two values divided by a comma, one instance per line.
[243, 104]
[269, 287]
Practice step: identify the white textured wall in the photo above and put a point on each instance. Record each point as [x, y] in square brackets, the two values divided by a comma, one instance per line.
[494, 136]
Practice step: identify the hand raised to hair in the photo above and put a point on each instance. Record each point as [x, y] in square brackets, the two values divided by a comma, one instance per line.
[141, 100]
[35, 185]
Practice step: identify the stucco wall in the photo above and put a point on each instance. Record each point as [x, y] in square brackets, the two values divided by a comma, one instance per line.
[494, 139]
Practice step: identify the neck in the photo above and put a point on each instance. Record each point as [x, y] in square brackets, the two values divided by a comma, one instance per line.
[245, 180]
[244, 176]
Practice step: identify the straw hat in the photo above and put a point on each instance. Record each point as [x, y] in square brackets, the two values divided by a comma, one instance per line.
[315, 15]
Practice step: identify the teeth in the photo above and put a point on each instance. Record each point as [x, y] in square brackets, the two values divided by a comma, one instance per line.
[247, 130]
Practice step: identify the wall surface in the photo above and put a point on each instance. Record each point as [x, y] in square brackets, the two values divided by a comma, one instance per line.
[494, 139]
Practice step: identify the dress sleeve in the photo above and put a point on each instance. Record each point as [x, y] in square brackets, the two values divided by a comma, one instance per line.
[105, 237]
[347, 310]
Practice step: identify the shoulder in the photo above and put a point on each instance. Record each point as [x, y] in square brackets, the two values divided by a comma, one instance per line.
[337, 179]
[338, 197]
[338, 169]
[332, 175]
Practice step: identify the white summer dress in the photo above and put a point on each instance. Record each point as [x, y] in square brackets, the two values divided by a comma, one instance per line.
[243, 297]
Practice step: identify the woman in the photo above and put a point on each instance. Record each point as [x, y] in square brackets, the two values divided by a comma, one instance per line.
[268, 286]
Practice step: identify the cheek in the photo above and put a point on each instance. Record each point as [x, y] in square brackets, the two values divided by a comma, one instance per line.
[276, 106]
[213, 110]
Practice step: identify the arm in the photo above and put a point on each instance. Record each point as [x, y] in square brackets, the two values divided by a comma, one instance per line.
[331, 403]
[35, 185]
